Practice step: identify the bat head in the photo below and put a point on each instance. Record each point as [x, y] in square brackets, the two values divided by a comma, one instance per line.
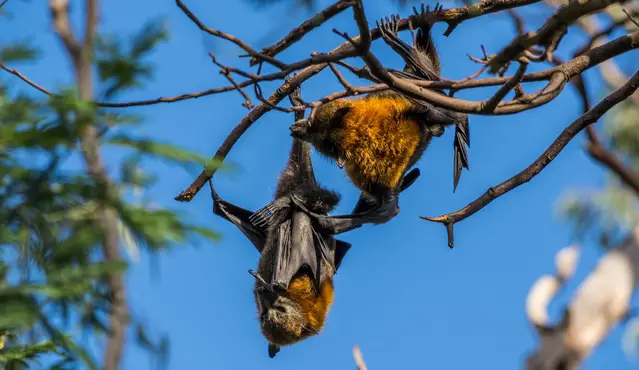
[324, 130]
[317, 199]
[295, 314]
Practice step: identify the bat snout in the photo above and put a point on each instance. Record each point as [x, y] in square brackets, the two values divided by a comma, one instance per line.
[299, 129]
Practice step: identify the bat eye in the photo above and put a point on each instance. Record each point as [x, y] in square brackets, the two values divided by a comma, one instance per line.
[280, 308]
[263, 316]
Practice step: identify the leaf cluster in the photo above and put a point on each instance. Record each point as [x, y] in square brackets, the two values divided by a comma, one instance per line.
[52, 274]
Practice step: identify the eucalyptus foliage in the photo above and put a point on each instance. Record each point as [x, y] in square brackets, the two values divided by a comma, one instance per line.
[52, 275]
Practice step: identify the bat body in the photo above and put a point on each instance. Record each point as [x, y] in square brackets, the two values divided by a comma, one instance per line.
[378, 138]
[299, 257]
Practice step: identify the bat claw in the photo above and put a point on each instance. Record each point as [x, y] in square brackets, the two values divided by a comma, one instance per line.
[262, 216]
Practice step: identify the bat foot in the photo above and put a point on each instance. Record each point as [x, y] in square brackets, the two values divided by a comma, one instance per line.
[437, 130]
[427, 14]
[389, 27]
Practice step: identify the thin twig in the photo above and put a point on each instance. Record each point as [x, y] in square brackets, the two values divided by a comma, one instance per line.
[546, 35]
[491, 103]
[252, 52]
[348, 87]
[24, 78]
[359, 359]
[630, 17]
[226, 72]
[518, 21]
[299, 32]
[598, 151]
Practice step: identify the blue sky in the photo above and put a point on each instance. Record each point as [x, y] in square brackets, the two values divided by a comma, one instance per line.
[401, 294]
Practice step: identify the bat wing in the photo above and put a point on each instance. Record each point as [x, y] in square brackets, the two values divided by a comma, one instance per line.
[430, 115]
[240, 217]
[341, 248]
[299, 244]
[462, 142]
[295, 248]
[334, 225]
[366, 210]
[273, 349]
[415, 59]
[262, 217]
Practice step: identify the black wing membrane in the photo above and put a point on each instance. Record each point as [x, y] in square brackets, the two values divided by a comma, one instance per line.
[369, 213]
[262, 217]
[461, 143]
[240, 217]
[341, 248]
[300, 244]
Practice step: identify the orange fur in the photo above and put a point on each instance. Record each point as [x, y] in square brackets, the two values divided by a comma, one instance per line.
[377, 141]
[315, 307]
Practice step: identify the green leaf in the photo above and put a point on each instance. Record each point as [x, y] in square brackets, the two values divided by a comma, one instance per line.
[161, 150]
[159, 228]
[121, 69]
[90, 272]
[18, 53]
[152, 33]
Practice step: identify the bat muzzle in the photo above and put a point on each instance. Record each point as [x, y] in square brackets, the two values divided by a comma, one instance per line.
[299, 129]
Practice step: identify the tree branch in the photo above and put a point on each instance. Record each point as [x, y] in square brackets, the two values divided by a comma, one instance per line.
[590, 117]
[252, 52]
[24, 78]
[300, 31]
[359, 359]
[548, 33]
[60, 15]
[452, 16]
[89, 142]
[610, 160]
[558, 77]
[600, 303]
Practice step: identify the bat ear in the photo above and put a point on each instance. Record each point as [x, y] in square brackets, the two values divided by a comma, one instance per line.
[273, 349]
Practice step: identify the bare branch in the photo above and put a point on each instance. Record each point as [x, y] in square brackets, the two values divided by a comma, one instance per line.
[551, 32]
[607, 158]
[540, 163]
[547, 286]
[359, 359]
[520, 26]
[107, 217]
[60, 14]
[227, 73]
[455, 16]
[298, 32]
[91, 23]
[348, 87]
[15, 72]
[630, 17]
[589, 25]
[610, 71]
[491, 103]
[451, 16]
[557, 77]
[2, 3]
[601, 302]
[252, 52]
[345, 50]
